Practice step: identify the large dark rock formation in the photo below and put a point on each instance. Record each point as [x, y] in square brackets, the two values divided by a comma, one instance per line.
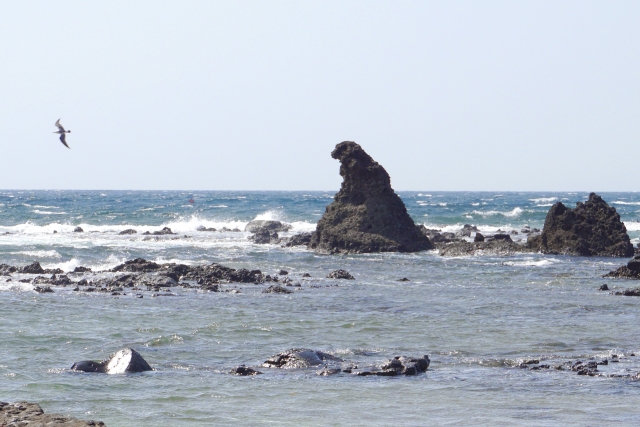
[592, 228]
[367, 215]
[31, 414]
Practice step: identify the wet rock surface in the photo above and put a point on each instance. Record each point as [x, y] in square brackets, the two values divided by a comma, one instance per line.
[340, 274]
[493, 247]
[296, 358]
[31, 414]
[258, 224]
[123, 361]
[366, 215]
[301, 239]
[592, 228]
[264, 236]
[629, 271]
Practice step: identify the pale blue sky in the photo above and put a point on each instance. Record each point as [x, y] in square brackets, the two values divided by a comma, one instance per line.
[238, 95]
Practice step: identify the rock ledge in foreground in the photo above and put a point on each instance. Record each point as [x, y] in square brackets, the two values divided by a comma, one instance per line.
[31, 414]
[366, 215]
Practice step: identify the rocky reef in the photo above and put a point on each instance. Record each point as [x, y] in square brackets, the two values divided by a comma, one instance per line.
[592, 228]
[366, 215]
[629, 271]
[31, 414]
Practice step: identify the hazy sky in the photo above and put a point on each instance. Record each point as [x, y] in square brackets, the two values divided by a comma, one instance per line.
[239, 95]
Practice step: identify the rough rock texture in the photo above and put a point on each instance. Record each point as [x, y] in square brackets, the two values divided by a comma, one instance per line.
[275, 289]
[366, 215]
[399, 365]
[264, 236]
[629, 271]
[33, 268]
[299, 358]
[258, 224]
[494, 247]
[340, 274]
[165, 230]
[31, 414]
[301, 239]
[592, 228]
[128, 231]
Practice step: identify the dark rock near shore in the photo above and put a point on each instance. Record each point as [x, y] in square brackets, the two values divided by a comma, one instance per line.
[244, 371]
[629, 271]
[137, 265]
[128, 231]
[42, 289]
[299, 358]
[81, 269]
[502, 237]
[276, 289]
[31, 414]
[33, 268]
[78, 230]
[124, 361]
[399, 365]
[164, 231]
[592, 228]
[203, 228]
[6, 269]
[340, 274]
[301, 239]
[264, 236]
[478, 238]
[259, 224]
[367, 215]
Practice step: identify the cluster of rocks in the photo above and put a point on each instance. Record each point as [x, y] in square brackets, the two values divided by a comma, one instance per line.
[629, 271]
[589, 367]
[302, 358]
[139, 274]
[31, 414]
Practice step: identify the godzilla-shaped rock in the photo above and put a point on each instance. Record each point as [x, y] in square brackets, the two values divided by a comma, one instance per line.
[592, 228]
[366, 215]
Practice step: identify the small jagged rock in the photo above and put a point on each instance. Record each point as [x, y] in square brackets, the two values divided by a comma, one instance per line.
[128, 231]
[340, 274]
[276, 289]
[274, 226]
[299, 358]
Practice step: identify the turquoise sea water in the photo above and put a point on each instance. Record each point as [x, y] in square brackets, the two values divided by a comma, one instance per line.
[477, 317]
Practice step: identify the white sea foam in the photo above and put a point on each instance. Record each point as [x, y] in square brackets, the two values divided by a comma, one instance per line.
[632, 226]
[512, 213]
[46, 207]
[302, 226]
[48, 212]
[65, 266]
[619, 202]
[271, 215]
[531, 262]
[39, 254]
[544, 200]
[545, 205]
[424, 195]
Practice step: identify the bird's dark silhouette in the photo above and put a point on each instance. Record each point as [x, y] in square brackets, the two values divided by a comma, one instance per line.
[63, 133]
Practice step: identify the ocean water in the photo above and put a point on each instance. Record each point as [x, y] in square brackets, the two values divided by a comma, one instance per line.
[477, 317]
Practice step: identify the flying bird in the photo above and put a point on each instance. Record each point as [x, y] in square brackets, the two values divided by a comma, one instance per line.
[63, 133]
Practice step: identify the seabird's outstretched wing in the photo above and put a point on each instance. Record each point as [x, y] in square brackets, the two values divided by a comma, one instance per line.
[63, 139]
[60, 127]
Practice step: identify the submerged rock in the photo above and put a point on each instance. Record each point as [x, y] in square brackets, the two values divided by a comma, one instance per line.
[492, 248]
[31, 414]
[366, 215]
[276, 289]
[244, 371]
[165, 230]
[592, 228]
[126, 360]
[258, 224]
[299, 358]
[128, 231]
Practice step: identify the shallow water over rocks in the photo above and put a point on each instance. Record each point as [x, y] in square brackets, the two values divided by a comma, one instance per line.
[479, 318]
